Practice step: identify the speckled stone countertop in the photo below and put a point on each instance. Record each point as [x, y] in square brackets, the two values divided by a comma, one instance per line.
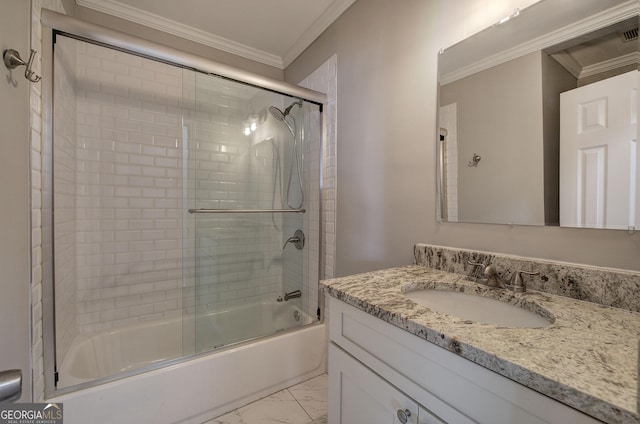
[587, 358]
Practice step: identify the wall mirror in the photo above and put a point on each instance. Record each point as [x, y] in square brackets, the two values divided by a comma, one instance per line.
[538, 119]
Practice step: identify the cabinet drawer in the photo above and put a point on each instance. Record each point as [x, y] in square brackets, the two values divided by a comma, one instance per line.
[454, 388]
[358, 395]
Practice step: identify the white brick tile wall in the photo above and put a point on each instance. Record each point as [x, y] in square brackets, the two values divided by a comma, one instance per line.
[324, 79]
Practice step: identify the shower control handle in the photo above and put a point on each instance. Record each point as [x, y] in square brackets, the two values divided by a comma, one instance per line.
[297, 240]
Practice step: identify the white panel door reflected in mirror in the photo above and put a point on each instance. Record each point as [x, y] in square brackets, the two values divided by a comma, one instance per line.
[599, 155]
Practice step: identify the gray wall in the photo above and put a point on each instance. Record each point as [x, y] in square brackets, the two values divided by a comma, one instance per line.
[555, 80]
[493, 108]
[170, 40]
[387, 53]
[14, 197]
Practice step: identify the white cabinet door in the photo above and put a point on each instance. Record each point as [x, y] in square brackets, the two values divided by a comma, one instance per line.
[359, 396]
[426, 417]
[599, 155]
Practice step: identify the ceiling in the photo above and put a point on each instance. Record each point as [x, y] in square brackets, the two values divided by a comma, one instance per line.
[273, 32]
[601, 51]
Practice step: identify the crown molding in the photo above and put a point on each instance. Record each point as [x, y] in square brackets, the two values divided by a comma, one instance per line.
[600, 20]
[568, 62]
[161, 23]
[610, 65]
[579, 72]
[120, 10]
[318, 27]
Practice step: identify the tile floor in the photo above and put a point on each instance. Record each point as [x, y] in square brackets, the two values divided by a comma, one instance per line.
[305, 403]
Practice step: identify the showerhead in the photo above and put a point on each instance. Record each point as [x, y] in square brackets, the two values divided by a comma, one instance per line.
[277, 113]
[280, 115]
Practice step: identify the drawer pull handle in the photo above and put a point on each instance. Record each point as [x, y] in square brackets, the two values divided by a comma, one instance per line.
[403, 416]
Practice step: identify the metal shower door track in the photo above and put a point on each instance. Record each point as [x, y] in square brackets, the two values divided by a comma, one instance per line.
[107, 37]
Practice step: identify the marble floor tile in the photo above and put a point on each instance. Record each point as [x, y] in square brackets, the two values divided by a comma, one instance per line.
[280, 407]
[312, 396]
[304, 403]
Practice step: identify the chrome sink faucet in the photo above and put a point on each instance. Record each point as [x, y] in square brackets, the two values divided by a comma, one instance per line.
[492, 278]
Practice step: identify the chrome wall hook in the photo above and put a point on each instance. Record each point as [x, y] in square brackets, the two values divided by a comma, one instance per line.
[474, 160]
[12, 60]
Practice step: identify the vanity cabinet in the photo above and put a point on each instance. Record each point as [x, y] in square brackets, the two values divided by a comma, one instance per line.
[377, 370]
[365, 397]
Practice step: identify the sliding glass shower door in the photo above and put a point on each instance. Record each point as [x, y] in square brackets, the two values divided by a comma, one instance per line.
[247, 191]
[184, 209]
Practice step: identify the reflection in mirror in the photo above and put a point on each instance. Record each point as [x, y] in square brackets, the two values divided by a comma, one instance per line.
[538, 119]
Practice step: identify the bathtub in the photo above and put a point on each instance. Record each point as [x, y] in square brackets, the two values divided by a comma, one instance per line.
[198, 389]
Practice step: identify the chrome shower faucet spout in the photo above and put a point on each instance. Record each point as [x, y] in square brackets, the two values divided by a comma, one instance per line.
[492, 278]
[292, 295]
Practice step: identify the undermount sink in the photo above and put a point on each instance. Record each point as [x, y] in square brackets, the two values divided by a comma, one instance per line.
[477, 308]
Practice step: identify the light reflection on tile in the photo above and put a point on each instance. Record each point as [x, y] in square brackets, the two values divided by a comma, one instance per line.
[305, 403]
[312, 396]
[280, 407]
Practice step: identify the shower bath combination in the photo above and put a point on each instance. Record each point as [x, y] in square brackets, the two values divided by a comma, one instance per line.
[163, 247]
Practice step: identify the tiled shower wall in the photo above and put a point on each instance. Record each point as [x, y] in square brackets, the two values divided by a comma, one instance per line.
[325, 80]
[129, 188]
[237, 257]
[302, 266]
[135, 128]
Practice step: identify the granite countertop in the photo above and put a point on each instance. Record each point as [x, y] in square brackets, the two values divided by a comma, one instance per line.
[587, 358]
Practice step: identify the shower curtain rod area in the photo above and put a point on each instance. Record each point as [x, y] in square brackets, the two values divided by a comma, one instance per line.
[141, 47]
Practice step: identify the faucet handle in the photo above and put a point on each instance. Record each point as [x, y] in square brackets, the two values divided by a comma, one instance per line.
[475, 273]
[293, 240]
[516, 280]
[297, 240]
